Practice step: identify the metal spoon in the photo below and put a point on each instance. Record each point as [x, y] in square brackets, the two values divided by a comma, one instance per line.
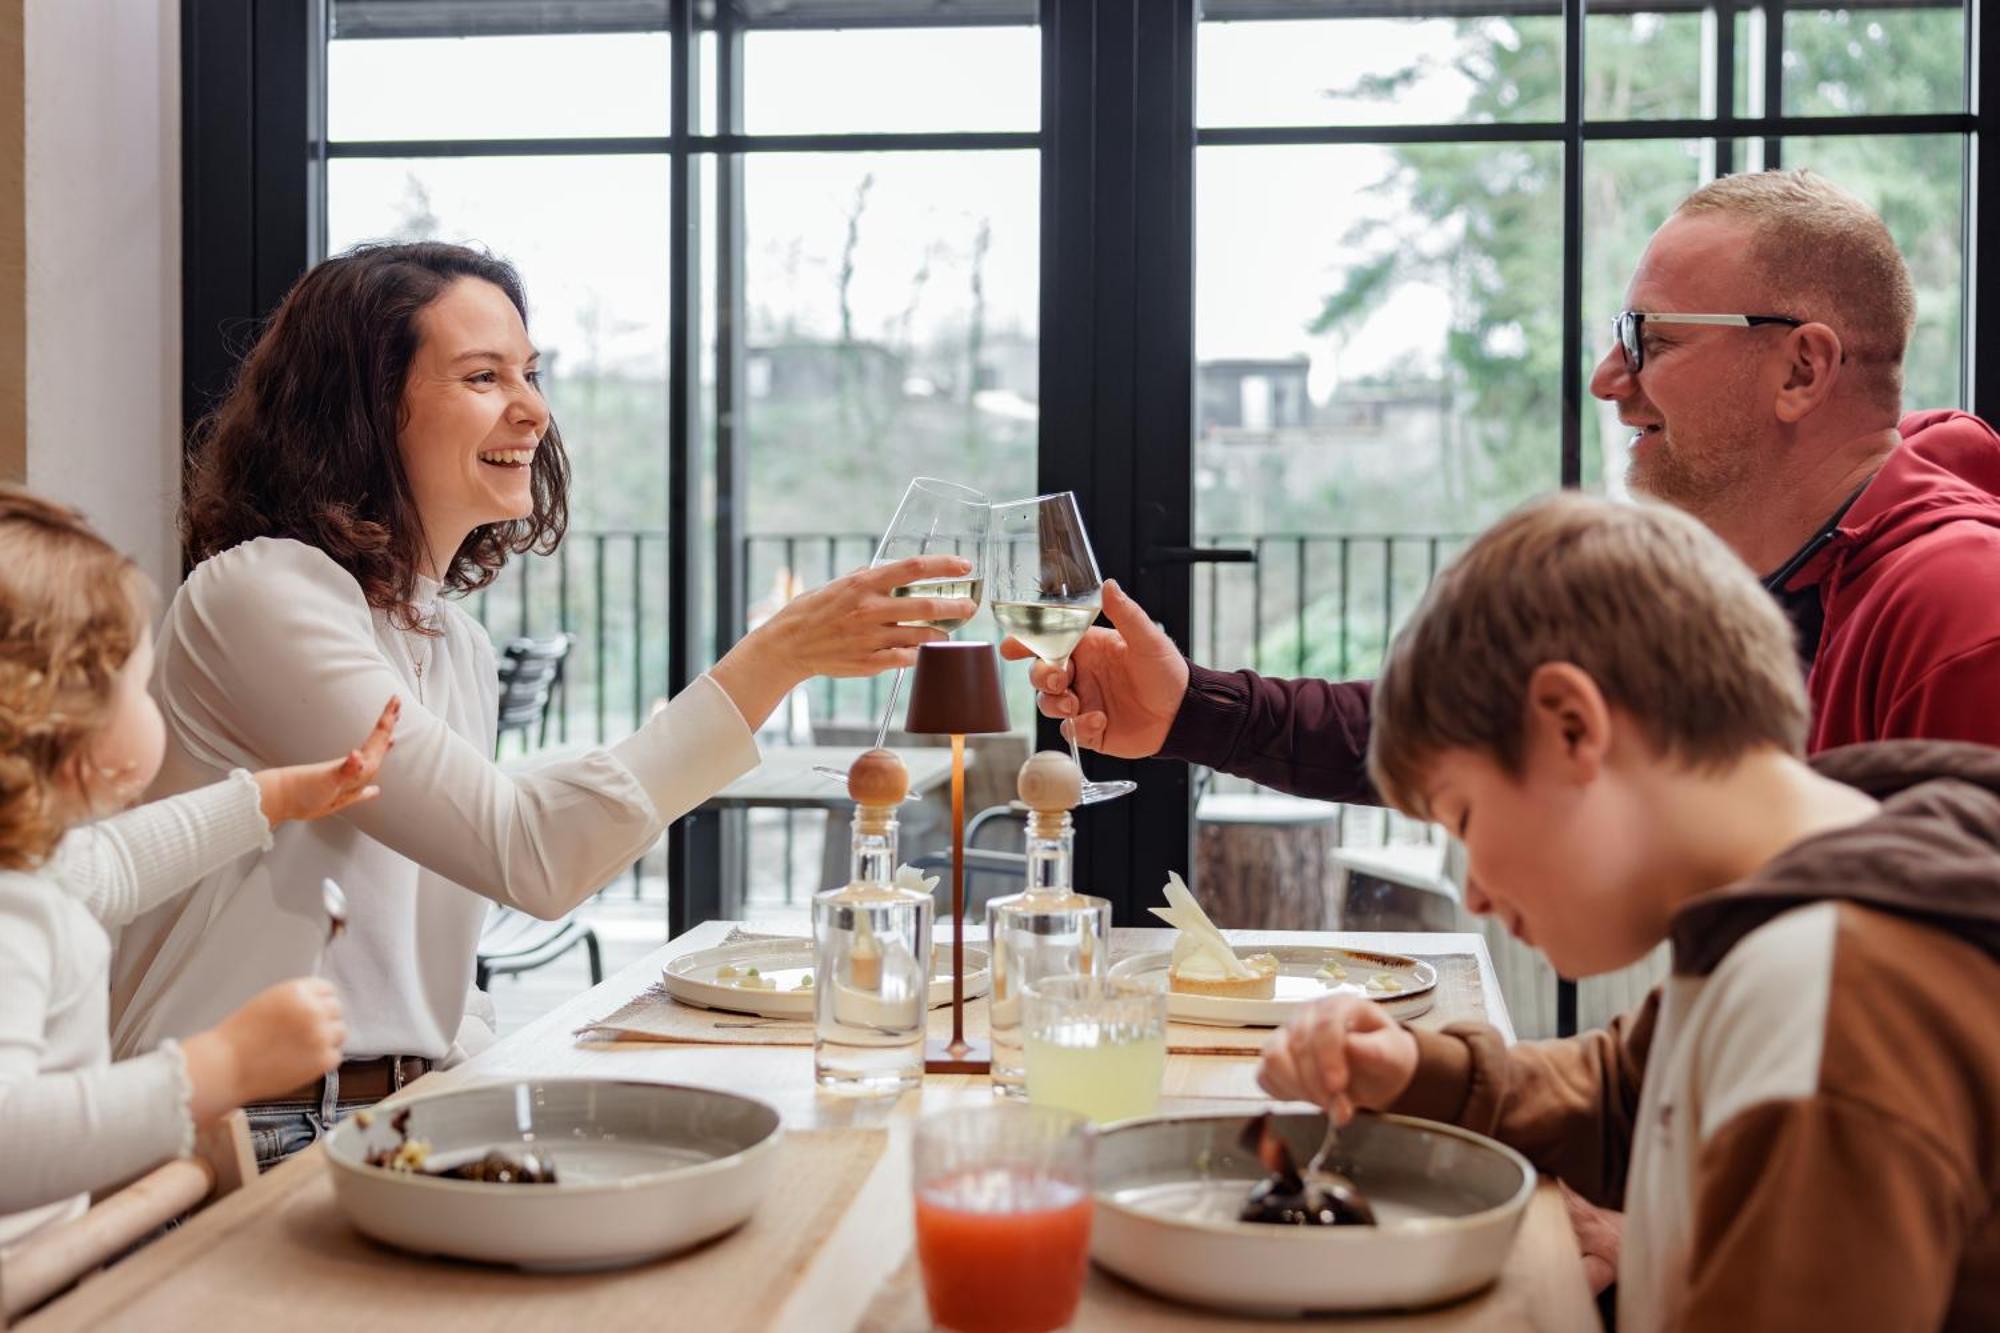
[1317, 1172]
[335, 904]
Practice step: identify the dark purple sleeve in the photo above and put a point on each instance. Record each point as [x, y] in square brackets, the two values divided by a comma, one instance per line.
[1305, 737]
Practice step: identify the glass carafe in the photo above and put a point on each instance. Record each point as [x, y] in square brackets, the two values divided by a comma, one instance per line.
[1049, 929]
[871, 951]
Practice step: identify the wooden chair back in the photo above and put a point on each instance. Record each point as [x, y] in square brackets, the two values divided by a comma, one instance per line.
[41, 1266]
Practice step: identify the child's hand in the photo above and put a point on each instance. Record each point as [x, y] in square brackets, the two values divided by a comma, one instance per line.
[313, 791]
[1341, 1053]
[287, 1035]
[1600, 1234]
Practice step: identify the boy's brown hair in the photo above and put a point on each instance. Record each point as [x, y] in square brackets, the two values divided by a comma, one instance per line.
[1650, 604]
[72, 611]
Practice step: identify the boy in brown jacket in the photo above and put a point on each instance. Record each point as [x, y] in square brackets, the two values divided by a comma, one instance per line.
[1803, 1122]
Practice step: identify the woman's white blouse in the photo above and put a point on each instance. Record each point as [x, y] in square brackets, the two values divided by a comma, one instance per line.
[269, 656]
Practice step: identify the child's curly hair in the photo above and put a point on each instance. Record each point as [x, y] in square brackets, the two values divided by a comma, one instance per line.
[72, 610]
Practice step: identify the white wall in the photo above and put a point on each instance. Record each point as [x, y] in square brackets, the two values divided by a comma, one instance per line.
[104, 267]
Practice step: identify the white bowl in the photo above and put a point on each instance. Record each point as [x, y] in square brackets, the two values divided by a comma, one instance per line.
[643, 1170]
[1168, 1189]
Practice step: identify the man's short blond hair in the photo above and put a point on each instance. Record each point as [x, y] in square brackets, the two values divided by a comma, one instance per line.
[1666, 620]
[1828, 257]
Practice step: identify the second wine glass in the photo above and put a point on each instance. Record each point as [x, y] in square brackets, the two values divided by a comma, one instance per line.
[1044, 589]
[934, 518]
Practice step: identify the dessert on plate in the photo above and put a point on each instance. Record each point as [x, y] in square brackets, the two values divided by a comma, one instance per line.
[1203, 963]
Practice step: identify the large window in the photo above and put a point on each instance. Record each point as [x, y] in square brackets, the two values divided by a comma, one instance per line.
[1391, 342]
[1319, 282]
[1381, 339]
[862, 205]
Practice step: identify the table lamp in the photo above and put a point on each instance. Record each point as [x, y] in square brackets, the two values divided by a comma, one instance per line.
[955, 692]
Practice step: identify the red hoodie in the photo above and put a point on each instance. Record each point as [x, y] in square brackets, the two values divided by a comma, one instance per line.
[1911, 588]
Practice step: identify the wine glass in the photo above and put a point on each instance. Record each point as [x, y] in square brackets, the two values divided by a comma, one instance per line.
[1045, 591]
[934, 518]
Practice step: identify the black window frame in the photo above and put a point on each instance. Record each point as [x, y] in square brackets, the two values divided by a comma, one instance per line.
[1117, 142]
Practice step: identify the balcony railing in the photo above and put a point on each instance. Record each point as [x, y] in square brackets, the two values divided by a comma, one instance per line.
[1312, 603]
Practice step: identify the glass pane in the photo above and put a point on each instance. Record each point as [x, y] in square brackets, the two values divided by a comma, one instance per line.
[1646, 66]
[1377, 361]
[1629, 189]
[886, 80]
[1917, 183]
[1749, 83]
[890, 331]
[531, 87]
[1378, 71]
[1874, 62]
[596, 278]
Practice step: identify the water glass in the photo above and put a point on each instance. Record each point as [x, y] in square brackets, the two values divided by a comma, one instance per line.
[1003, 1198]
[1095, 1045]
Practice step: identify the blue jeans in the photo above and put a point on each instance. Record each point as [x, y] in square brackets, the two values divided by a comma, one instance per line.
[279, 1129]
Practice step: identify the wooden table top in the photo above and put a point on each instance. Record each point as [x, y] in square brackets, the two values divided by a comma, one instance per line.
[195, 1277]
[785, 777]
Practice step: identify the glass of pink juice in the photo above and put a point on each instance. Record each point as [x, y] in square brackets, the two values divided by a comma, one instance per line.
[1003, 1198]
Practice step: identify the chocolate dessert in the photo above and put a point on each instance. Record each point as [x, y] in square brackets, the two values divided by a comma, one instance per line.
[495, 1168]
[1286, 1198]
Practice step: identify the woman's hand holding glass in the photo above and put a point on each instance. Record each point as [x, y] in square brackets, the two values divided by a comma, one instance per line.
[853, 626]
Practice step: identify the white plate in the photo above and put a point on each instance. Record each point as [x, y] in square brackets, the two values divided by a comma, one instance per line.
[1300, 982]
[642, 1170]
[1168, 1189]
[692, 978]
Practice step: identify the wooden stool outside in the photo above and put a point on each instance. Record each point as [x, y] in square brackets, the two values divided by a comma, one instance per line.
[1264, 861]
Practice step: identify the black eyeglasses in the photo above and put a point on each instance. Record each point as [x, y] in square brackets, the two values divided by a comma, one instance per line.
[1630, 324]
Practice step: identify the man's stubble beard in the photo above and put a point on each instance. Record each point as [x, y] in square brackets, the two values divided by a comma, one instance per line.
[1703, 470]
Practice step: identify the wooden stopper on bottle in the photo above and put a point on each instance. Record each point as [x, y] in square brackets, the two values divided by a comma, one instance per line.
[1050, 783]
[877, 780]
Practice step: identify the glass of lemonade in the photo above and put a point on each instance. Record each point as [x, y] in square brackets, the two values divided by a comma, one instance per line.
[1095, 1045]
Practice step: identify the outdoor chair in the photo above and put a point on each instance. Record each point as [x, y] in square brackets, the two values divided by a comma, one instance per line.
[531, 675]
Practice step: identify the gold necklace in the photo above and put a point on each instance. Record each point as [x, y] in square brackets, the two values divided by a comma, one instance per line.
[417, 664]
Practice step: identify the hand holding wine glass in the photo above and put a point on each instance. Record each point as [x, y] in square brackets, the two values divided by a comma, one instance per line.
[852, 626]
[1045, 590]
[1122, 687]
[934, 518]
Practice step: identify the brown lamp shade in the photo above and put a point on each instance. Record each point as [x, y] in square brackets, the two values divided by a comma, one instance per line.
[956, 691]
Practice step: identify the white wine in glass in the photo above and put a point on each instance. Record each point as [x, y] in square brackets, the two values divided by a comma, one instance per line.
[1051, 630]
[933, 518]
[1045, 589]
[948, 586]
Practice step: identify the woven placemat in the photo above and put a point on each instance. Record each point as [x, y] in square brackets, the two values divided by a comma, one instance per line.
[655, 1015]
[289, 1257]
[1540, 1288]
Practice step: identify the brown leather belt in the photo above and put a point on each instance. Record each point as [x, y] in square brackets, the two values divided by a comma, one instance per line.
[360, 1081]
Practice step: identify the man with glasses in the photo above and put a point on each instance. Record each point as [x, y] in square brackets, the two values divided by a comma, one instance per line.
[1760, 367]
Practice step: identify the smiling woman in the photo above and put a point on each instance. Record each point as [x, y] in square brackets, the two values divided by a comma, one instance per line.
[386, 447]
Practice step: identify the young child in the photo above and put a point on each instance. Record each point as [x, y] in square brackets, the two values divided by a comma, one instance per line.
[80, 737]
[1803, 1122]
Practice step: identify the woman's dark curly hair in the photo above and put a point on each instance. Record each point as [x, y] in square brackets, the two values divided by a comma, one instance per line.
[304, 445]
